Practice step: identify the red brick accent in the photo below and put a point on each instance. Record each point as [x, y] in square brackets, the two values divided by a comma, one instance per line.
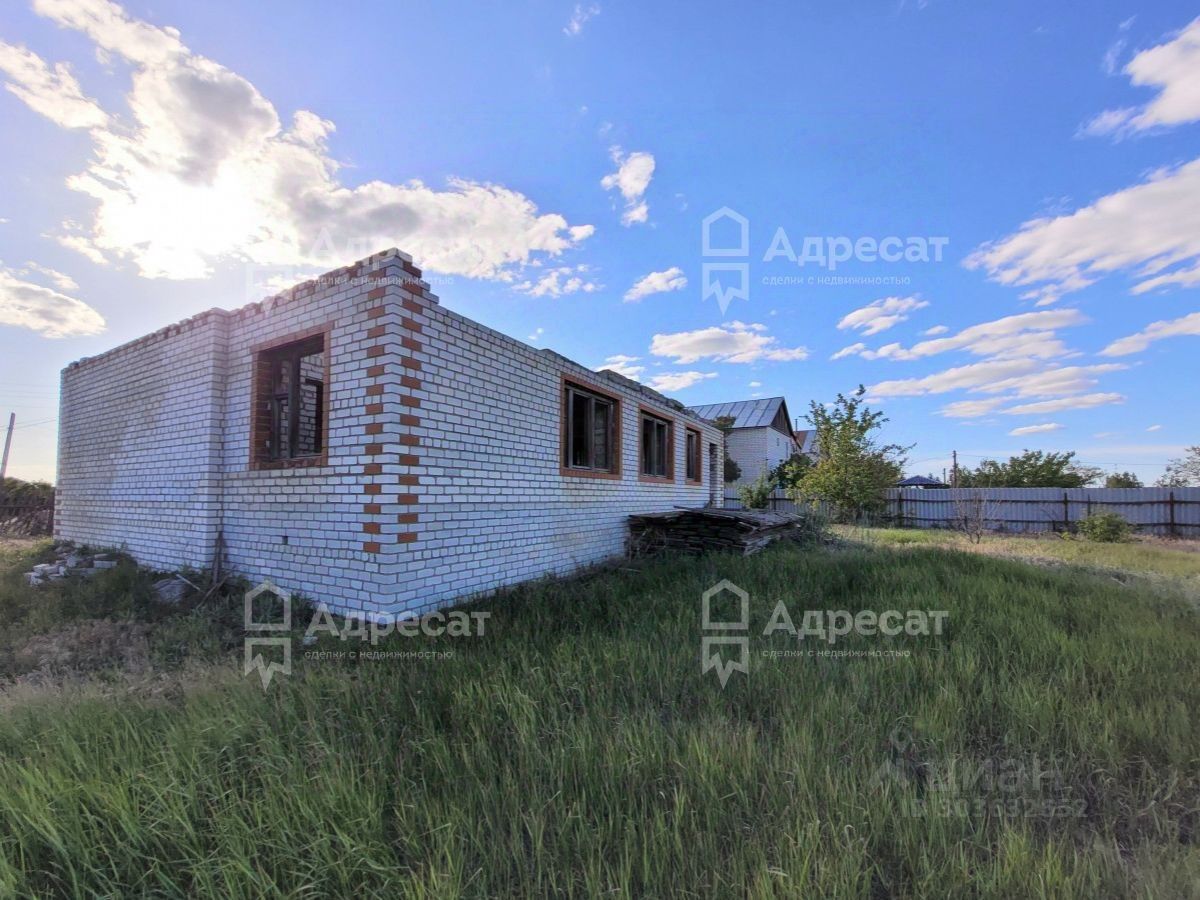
[414, 402]
[409, 480]
[406, 499]
[374, 428]
[409, 421]
[410, 269]
[407, 459]
[373, 409]
[408, 440]
[409, 381]
[410, 325]
[374, 390]
[411, 305]
[376, 331]
[372, 509]
[375, 294]
[406, 537]
[406, 518]
[376, 351]
[410, 363]
[376, 371]
[409, 344]
[376, 312]
[372, 449]
[372, 489]
[371, 547]
[371, 527]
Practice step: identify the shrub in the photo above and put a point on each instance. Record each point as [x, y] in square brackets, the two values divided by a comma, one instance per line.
[1106, 528]
[757, 494]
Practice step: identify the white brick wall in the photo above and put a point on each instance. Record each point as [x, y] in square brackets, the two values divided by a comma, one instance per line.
[442, 476]
[757, 450]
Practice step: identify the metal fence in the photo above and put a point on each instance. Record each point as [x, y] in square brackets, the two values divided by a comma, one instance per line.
[1164, 511]
[26, 518]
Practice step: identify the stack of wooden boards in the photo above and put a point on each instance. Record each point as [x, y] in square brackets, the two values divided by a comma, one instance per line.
[743, 531]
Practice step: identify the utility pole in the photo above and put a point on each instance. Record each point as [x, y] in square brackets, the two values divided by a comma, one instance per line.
[12, 420]
[954, 468]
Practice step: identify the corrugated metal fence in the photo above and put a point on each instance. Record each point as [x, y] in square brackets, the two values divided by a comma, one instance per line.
[1151, 510]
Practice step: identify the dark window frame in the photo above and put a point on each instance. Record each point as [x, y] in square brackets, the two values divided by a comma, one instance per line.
[288, 349]
[572, 390]
[693, 456]
[666, 454]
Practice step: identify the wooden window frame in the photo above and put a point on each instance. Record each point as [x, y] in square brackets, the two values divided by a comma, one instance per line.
[697, 459]
[564, 417]
[645, 412]
[262, 357]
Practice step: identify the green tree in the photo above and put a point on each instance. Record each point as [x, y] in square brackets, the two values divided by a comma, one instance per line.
[852, 470]
[1183, 471]
[1033, 468]
[789, 473]
[757, 494]
[1122, 480]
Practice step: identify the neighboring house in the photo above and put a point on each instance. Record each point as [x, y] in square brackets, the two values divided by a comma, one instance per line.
[356, 442]
[761, 436]
[807, 442]
[920, 481]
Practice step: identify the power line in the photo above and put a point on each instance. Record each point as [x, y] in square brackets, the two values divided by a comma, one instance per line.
[34, 424]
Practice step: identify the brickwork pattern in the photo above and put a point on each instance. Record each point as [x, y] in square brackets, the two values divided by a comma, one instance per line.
[441, 474]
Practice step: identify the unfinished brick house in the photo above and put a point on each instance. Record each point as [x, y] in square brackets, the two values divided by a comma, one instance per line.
[354, 441]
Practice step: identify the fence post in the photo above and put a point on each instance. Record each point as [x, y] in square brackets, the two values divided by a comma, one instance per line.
[1171, 512]
[900, 507]
[1066, 513]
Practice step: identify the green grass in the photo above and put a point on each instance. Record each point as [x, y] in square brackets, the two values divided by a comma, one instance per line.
[1139, 556]
[578, 750]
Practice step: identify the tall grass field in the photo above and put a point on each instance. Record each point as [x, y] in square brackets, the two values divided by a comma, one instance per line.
[1046, 744]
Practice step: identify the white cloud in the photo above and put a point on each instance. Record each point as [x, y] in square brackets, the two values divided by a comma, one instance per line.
[634, 171]
[1155, 331]
[54, 93]
[202, 171]
[935, 330]
[579, 18]
[1025, 334]
[558, 281]
[48, 312]
[624, 365]
[672, 279]
[1174, 69]
[60, 280]
[881, 314]
[1152, 228]
[1024, 377]
[1154, 428]
[1087, 401]
[971, 409]
[677, 381]
[852, 350]
[755, 384]
[1117, 47]
[1035, 429]
[536, 336]
[1055, 381]
[735, 342]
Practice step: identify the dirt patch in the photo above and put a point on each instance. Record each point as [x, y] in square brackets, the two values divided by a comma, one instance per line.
[83, 647]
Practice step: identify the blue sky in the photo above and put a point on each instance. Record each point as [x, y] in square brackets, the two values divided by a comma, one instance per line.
[540, 160]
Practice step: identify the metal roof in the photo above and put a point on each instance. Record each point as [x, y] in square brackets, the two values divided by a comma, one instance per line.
[919, 481]
[745, 413]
